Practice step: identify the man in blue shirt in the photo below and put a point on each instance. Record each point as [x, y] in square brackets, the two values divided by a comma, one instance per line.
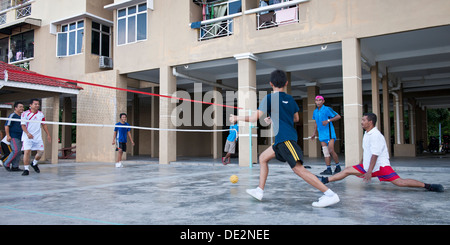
[14, 132]
[120, 138]
[324, 116]
[283, 111]
[230, 145]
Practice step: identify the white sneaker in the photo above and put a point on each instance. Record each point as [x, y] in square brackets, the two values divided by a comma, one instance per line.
[326, 201]
[256, 193]
[119, 165]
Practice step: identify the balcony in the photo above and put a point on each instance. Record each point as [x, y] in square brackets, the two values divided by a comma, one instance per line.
[22, 8]
[14, 13]
[217, 19]
[23, 11]
[278, 14]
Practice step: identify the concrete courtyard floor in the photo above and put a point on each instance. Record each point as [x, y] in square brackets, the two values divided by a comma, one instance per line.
[198, 192]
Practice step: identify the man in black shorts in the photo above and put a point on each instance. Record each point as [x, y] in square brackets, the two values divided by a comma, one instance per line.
[120, 138]
[283, 111]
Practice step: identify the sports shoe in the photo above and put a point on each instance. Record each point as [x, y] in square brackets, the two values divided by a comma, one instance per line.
[25, 172]
[327, 172]
[6, 167]
[337, 169]
[35, 167]
[436, 188]
[324, 180]
[119, 165]
[256, 193]
[326, 201]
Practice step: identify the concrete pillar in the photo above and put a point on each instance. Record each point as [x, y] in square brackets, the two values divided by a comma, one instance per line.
[247, 99]
[398, 116]
[167, 139]
[412, 120]
[217, 148]
[136, 122]
[109, 103]
[50, 108]
[352, 88]
[424, 126]
[314, 147]
[386, 113]
[66, 135]
[402, 149]
[375, 91]
[289, 85]
[305, 127]
[154, 123]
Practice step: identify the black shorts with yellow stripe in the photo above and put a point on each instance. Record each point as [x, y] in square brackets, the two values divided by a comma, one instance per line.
[288, 151]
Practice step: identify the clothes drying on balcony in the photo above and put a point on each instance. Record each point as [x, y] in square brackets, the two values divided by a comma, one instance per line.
[286, 16]
[196, 25]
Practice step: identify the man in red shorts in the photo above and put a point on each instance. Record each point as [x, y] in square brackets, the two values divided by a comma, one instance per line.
[375, 162]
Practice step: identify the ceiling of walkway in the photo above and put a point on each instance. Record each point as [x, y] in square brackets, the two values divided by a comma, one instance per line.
[419, 59]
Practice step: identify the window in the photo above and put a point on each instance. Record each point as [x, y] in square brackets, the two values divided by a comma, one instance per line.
[22, 46]
[101, 39]
[70, 39]
[132, 24]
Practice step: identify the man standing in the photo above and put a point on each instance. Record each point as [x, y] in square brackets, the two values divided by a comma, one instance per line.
[230, 144]
[13, 136]
[32, 135]
[324, 116]
[120, 138]
[375, 162]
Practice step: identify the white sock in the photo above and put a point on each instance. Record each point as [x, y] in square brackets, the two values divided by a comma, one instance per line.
[27, 167]
[259, 189]
[329, 193]
[35, 162]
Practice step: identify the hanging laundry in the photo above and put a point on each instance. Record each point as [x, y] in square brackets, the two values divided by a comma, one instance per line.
[196, 25]
[263, 3]
[286, 16]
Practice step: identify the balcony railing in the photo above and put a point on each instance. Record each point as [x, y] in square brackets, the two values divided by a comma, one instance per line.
[276, 14]
[214, 28]
[23, 11]
[217, 29]
[10, 4]
[2, 19]
[277, 18]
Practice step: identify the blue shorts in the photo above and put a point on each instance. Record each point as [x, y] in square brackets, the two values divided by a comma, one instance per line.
[327, 140]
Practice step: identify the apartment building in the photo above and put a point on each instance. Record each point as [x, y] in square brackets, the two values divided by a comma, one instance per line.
[377, 56]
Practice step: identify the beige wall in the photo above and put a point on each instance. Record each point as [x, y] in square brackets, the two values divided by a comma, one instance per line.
[172, 42]
[99, 106]
[321, 21]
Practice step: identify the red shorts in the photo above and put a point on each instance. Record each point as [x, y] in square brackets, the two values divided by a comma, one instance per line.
[384, 174]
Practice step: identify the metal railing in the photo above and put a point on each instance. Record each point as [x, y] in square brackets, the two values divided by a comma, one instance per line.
[216, 29]
[23, 11]
[277, 18]
[2, 19]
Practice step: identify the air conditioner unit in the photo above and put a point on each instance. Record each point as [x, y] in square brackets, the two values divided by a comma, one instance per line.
[105, 62]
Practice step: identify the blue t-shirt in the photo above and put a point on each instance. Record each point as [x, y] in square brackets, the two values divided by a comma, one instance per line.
[232, 136]
[122, 134]
[281, 108]
[15, 129]
[326, 133]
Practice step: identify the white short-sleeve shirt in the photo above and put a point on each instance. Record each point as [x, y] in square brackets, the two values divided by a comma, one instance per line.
[34, 128]
[374, 143]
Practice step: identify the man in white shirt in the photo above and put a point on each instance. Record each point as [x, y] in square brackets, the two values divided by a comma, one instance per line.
[32, 135]
[375, 162]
